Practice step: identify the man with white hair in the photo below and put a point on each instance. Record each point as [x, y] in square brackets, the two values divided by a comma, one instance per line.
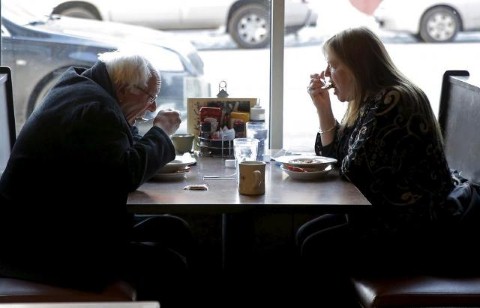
[66, 184]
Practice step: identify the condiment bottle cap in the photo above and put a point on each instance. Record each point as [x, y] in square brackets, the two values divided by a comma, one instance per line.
[257, 113]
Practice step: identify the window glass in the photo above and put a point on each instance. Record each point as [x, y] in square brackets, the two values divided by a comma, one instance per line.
[203, 43]
[423, 62]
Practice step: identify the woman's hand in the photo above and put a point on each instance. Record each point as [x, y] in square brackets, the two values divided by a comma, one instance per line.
[168, 120]
[318, 90]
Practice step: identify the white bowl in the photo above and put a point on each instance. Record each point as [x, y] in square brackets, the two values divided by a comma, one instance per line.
[311, 161]
[307, 174]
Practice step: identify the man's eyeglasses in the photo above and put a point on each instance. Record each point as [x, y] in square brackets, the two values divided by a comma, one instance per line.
[151, 98]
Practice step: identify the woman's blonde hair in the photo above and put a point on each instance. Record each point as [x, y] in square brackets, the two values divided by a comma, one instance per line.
[365, 55]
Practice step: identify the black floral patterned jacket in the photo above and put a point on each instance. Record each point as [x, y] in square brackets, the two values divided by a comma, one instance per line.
[395, 157]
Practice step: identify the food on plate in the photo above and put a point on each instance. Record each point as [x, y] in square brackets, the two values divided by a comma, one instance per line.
[306, 173]
[304, 161]
[300, 169]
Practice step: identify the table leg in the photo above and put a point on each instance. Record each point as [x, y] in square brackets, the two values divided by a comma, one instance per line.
[237, 241]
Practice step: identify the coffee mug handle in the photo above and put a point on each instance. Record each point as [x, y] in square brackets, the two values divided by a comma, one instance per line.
[258, 177]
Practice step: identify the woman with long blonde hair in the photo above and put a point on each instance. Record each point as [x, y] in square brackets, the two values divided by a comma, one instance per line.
[388, 144]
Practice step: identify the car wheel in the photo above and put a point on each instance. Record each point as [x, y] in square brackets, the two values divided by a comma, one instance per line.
[249, 26]
[78, 12]
[440, 24]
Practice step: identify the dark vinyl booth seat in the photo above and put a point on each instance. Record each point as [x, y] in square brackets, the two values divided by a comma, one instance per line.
[418, 291]
[459, 118]
[18, 290]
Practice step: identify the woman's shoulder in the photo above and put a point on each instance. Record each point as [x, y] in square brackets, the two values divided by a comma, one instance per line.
[384, 100]
[395, 97]
[389, 95]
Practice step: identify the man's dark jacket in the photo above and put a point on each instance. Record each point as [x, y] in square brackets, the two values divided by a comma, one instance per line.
[66, 184]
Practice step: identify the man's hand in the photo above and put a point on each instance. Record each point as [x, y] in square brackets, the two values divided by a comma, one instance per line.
[168, 120]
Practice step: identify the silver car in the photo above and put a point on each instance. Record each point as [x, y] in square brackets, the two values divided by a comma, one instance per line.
[429, 20]
[247, 21]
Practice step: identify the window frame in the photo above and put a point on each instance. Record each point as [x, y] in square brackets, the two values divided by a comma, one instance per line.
[277, 45]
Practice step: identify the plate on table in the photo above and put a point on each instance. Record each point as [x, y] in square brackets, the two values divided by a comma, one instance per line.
[299, 173]
[311, 162]
[176, 175]
[179, 163]
[186, 158]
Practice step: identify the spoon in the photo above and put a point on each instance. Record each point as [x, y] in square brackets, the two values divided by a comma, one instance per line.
[141, 119]
[328, 86]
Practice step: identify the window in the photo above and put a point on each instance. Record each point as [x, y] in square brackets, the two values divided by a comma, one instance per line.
[194, 62]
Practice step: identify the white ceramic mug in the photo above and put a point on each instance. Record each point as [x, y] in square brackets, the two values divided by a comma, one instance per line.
[252, 178]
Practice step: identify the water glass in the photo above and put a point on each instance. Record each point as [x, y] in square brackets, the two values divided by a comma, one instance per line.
[245, 149]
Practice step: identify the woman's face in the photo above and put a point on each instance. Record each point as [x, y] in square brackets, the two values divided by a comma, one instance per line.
[341, 76]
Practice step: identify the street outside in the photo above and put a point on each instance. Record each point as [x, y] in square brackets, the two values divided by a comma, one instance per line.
[247, 72]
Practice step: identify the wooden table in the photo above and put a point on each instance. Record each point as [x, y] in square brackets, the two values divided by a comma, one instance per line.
[282, 195]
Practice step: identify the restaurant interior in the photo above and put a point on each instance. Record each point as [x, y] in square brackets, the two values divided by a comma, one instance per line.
[246, 253]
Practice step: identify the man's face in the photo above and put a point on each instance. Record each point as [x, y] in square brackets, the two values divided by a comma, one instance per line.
[138, 100]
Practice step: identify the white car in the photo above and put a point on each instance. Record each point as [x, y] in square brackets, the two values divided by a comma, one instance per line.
[247, 21]
[429, 20]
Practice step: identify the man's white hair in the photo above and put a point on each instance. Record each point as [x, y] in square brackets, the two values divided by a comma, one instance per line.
[129, 68]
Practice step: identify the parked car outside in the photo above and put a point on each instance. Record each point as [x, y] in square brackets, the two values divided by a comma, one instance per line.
[247, 21]
[38, 49]
[430, 21]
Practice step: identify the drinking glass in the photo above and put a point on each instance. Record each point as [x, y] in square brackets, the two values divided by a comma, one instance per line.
[245, 149]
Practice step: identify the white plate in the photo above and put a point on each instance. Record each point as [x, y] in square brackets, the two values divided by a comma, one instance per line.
[306, 161]
[179, 163]
[312, 175]
[186, 158]
[177, 175]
